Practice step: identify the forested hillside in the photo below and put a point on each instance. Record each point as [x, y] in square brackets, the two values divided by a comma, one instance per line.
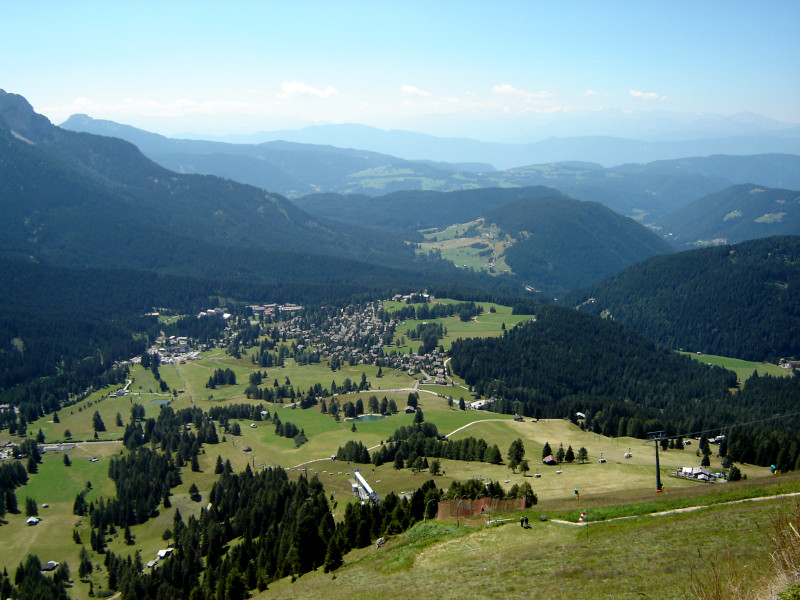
[741, 301]
[564, 243]
[563, 362]
[736, 214]
[67, 194]
[413, 210]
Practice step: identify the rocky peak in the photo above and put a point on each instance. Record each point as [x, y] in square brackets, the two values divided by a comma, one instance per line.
[18, 116]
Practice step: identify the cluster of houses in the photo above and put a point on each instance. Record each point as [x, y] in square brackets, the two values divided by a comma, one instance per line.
[173, 349]
[357, 336]
[270, 310]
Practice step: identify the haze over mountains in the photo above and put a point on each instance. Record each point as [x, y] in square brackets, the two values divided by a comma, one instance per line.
[648, 192]
[615, 138]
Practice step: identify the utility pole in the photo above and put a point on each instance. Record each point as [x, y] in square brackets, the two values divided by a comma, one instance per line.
[656, 437]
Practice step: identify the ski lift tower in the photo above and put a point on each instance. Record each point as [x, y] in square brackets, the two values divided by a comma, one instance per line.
[656, 437]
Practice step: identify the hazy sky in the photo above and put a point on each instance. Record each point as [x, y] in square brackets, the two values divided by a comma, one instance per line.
[241, 66]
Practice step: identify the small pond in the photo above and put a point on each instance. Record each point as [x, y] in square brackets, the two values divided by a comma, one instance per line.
[367, 418]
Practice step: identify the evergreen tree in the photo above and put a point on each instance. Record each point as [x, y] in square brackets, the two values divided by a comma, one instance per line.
[546, 450]
[570, 455]
[97, 422]
[516, 451]
[31, 509]
[194, 492]
[333, 556]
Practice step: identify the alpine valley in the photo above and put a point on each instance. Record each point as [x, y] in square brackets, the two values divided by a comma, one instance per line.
[292, 369]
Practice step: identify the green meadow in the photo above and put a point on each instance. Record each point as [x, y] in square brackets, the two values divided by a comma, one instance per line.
[743, 368]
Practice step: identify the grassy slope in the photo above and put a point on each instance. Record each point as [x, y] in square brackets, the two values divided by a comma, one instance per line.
[742, 368]
[638, 558]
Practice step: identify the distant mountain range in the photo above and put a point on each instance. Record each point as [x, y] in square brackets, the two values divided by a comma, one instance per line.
[78, 199]
[622, 138]
[644, 191]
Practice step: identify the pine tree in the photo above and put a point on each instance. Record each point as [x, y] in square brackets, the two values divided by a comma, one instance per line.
[31, 509]
[333, 557]
[97, 422]
[570, 455]
[546, 451]
[560, 454]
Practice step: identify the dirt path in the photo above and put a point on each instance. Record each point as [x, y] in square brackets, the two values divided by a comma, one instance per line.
[686, 509]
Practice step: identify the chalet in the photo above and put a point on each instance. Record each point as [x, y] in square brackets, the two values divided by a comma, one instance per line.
[550, 460]
[50, 566]
[410, 410]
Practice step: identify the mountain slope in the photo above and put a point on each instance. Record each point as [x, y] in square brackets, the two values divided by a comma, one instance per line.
[415, 210]
[289, 168]
[735, 214]
[741, 301]
[63, 191]
[646, 191]
[565, 243]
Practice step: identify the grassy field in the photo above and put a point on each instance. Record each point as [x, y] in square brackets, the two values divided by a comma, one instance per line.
[454, 245]
[488, 324]
[743, 368]
[551, 561]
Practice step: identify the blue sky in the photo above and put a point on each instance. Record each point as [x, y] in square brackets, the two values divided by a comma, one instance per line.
[216, 67]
